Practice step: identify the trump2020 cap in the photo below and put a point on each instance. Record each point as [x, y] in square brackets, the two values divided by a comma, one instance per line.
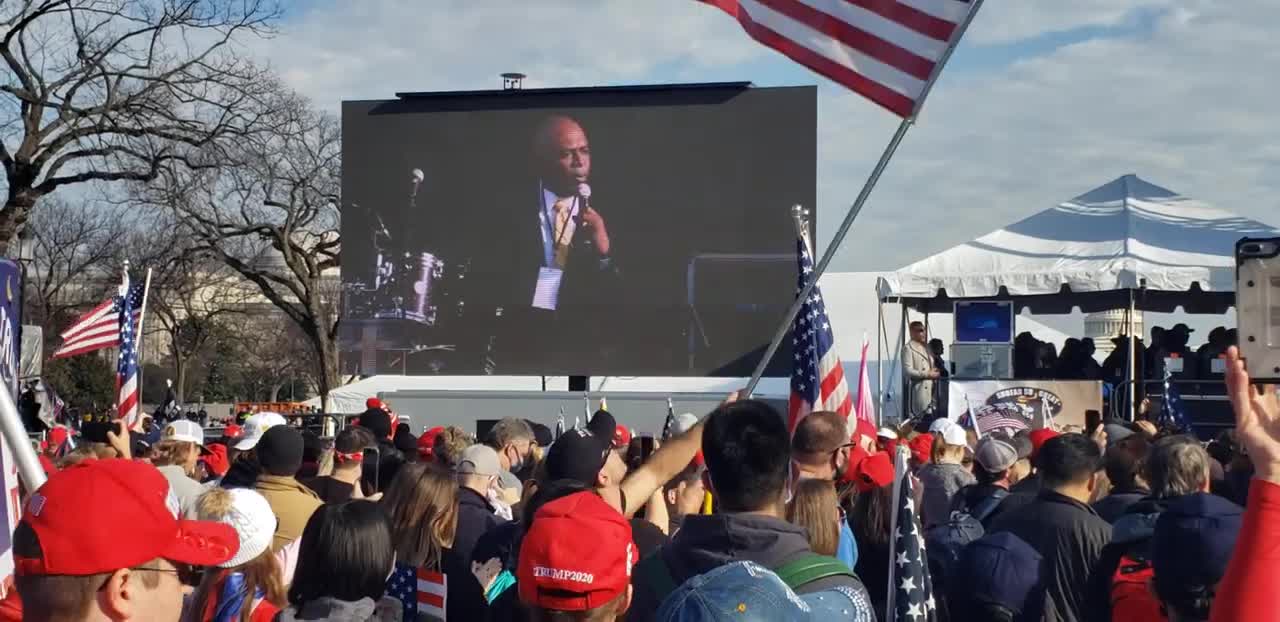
[559, 569]
[141, 524]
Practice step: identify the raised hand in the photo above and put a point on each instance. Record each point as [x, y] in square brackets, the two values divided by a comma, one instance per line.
[1257, 412]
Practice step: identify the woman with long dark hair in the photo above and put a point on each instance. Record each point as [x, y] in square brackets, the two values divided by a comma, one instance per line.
[343, 565]
[871, 521]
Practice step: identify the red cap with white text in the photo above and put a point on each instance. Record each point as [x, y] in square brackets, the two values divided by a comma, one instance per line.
[562, 571]
[140, 522]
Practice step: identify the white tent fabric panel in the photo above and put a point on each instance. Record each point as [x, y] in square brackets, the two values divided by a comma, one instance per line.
[1127, 234]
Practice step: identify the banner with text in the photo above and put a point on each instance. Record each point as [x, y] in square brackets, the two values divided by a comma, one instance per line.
[1024, 404]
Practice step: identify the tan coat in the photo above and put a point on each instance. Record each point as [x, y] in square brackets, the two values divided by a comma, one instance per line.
[917, 362]
[293, 504]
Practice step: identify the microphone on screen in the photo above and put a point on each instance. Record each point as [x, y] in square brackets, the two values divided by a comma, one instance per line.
[418, 177]
[584, 193]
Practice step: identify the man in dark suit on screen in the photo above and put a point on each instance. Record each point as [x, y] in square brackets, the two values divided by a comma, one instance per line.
[552, 268]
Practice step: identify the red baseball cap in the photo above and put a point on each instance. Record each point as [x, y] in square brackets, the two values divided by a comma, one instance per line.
[621, 437]
[873, 472]
[921, 447]
[216, 459]
[427, 443]
[559, 569]
[856, 455]
[142, 523]
[1038, 438]
[374, 402]
[58, 436]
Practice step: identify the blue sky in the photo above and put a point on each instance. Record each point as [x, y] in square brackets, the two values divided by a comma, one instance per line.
[1043, 101]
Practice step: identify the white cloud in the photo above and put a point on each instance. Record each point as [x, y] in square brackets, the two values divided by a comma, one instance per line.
[1188, 104]
[375, 48]
[1005, 21]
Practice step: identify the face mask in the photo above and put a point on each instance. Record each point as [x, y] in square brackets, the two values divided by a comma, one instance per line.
[517, 463]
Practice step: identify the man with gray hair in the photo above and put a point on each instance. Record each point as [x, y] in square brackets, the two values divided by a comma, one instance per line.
[477, 471]
[513, 440]
[1177, 466]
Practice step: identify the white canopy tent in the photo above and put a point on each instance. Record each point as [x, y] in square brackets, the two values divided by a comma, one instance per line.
[1127, 244]
[1127, 236]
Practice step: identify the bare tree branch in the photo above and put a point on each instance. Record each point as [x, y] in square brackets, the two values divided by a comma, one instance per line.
[270, 213]
[120, 90]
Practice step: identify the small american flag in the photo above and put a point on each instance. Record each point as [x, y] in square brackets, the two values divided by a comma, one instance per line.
[817, 378]
[126, 306]
[910, 580]
[1173, 412]
[669, 424]
[422, 592]
[885, 50]
[95, 330]
[996, 417]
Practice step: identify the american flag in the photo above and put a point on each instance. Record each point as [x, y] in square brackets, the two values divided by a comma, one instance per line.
[95, 330]
[421, 592]
[817, 378]
[885, 50]
[1173, 412]
[126, 306]
[669, 424]
[995, 417]
[910, 581]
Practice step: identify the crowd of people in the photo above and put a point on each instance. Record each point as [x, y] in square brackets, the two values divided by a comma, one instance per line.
[1200, 370]
[729, 516]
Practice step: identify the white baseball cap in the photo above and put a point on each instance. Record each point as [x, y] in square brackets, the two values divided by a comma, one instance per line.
[250, 515]
[185, 430]
[952, 433]
[254, 427]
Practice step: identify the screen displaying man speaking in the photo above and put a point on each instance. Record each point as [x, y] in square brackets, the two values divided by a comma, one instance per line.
[619, 231]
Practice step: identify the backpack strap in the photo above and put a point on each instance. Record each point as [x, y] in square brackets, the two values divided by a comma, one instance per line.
[811, 567]
[989, 505]
[653, 571]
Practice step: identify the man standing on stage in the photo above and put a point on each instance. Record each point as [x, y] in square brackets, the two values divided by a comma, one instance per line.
[917, 362]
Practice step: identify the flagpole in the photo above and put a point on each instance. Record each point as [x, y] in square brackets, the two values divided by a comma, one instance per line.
[900, 471]
[856, 208]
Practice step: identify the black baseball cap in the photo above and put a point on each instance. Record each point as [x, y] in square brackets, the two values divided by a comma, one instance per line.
[541, 433]
[602, 424]
[578, 455]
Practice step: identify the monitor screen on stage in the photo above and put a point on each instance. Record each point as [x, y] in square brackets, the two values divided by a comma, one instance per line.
[609, 231]
[984, 322]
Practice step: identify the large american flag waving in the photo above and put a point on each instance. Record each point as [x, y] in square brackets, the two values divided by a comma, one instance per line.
[885, 50]
[817, 378]
[127, 391]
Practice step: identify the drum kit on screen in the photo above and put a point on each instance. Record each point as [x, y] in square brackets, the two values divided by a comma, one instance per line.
[409, 284]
